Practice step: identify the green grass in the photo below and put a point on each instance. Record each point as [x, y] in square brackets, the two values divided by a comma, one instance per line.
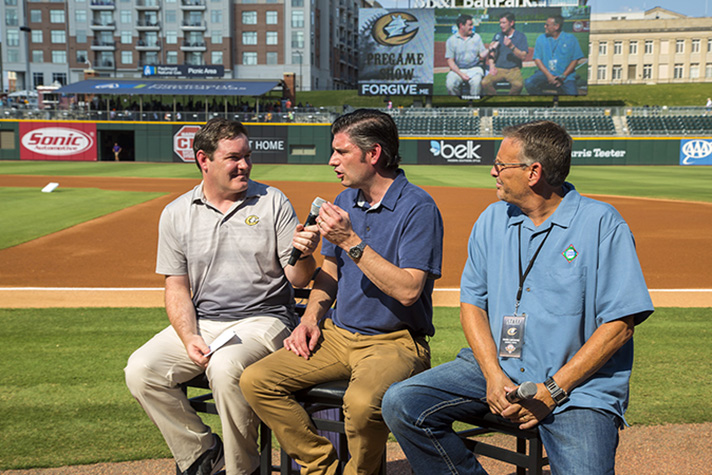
[34, 214]
[63, 400]
[672, 182]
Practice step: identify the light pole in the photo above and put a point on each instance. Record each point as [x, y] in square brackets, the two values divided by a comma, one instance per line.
[301, 65]
[27, 30]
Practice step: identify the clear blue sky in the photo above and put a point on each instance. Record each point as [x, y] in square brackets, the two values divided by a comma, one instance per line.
[686, 7]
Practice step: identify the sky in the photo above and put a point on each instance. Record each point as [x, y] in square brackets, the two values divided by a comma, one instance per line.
[695, 8]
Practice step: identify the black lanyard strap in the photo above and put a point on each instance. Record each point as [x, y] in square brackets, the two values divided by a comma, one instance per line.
[523, 275]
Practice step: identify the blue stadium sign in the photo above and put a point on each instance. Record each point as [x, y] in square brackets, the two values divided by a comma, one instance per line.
[696, 152]
[184, 70]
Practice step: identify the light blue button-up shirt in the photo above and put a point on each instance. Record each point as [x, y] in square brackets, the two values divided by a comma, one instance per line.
[586, 274]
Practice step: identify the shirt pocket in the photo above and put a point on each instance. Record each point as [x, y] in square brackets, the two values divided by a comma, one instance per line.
[562, 291]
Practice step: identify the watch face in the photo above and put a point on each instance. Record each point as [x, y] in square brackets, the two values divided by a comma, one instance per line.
[355, 252]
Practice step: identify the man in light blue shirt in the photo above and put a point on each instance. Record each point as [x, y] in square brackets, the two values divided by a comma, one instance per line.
[556, 54]
[550, 293]
[465, 53]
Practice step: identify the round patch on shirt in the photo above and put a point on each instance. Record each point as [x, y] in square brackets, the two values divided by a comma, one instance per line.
[251, 220]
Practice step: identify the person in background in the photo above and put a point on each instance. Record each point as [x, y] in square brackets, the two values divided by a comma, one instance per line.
[465, 53]
[507, 51]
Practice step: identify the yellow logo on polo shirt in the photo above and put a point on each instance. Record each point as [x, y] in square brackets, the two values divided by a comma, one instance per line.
[251, 220]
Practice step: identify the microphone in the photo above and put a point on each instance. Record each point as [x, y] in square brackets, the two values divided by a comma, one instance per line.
[525, 391]
[311, 219]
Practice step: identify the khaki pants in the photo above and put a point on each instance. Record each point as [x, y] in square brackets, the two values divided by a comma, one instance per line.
[371, 363]
[154, 371]
[513, 76]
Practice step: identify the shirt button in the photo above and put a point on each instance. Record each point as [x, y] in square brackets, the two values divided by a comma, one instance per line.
[368, 228]
[528, 289]
[521, 370]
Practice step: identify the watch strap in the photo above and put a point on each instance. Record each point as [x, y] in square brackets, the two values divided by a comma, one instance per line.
[557, 394]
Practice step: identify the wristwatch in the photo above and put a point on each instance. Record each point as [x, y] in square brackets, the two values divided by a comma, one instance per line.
[356, 252]
[557, 394]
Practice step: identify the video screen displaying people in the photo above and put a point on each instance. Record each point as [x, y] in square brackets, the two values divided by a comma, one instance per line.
[471, 53]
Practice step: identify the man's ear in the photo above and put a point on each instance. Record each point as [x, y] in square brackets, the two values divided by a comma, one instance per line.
[536, 173]
[374, 155]
[202, 158]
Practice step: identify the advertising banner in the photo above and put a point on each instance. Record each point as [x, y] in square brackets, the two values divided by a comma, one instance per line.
[58, 141]
[696, 152]
[455, 152]
[268, 144]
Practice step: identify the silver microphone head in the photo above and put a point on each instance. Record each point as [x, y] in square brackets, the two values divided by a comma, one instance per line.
[527, 390]
[316, 205]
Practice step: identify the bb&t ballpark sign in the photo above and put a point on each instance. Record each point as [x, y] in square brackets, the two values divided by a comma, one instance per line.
[477, 3]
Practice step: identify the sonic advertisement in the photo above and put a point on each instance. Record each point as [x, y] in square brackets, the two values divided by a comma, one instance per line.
[474, 52]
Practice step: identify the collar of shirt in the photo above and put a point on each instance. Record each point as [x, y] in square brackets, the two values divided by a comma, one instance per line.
[390, 198]
[253, 189]
[562, 216]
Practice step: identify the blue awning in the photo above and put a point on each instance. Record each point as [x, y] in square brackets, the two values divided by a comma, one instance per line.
[170, 87]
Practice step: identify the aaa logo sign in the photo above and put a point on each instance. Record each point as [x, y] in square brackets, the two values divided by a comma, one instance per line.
[183, 142]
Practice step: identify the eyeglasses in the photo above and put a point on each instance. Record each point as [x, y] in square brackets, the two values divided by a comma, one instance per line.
[499, 166]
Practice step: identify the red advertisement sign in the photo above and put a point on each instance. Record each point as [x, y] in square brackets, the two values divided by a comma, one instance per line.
[58, 141]
[183, 142]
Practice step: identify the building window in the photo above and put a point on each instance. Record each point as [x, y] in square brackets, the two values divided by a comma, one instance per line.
[272, 57]
[249, 18]
[695, 46]
[216, 16]
[11, 17]
[297, 57]
[618, 47]
[297, 39]
[58, 36]
[216, 57]
[56, 16]
[171, 16]
[37, 36]
[679, 46]
[249, 58]
[617, 73]
[678, 71]
[708, 70]
[603, 48]
[709, 46]
[272, 18]
[80, 15]
[297, 3]
[13, 38]
[59, 57]
[37, 56]
[647, 71]
[13, 56]
[172, 57]
[171, 37]
[694, 71]
[126, 37]
[648, 46]
[127, 57]
[11, 2]
[601, 72]
[60, 78]
[38, 79]
[272, 37]
[81, 36]
[82, 56]
[249, 38]
[297, 19]
[633, 47]
[126, 17]
[35, 16]
[216, 37]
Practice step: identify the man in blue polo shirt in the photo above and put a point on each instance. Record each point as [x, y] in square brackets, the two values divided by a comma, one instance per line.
[556, 54]
[383, 250]
[550, 293]
[508, 49]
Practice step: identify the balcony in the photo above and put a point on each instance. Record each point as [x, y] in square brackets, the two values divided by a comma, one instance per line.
[101, 25]
[193, 46]
[98, 45]
[144, 45]
[190, 25]
[104, 65]
[148, 25]
[193, 5]
[102, 5]
[147, 5]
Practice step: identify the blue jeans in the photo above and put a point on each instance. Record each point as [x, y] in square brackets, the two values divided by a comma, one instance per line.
[420, 412]
[537, 82]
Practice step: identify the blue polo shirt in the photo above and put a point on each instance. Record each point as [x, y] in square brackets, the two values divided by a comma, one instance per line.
[406, 229]
[506, 59]
[586, 274]
[557, 54]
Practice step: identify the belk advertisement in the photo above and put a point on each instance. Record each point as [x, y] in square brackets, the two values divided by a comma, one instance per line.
[455, 151]
[58, 141]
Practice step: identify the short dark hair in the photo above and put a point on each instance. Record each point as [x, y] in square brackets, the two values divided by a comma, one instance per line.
[559, 20]
[368, 127]
[545, 142]
[214, 130]
[462, 19]
[508, 15]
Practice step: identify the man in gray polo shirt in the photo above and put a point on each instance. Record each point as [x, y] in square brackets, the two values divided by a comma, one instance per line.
[223, 248]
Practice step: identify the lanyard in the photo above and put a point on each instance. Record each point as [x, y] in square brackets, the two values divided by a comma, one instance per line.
[523, 275]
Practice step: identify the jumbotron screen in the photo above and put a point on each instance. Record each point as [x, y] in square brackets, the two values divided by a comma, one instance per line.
[471, 53]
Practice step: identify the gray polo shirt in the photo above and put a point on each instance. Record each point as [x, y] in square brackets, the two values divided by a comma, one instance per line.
[234, 261]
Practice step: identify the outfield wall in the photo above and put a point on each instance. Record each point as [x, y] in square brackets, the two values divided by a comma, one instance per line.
[310, 143]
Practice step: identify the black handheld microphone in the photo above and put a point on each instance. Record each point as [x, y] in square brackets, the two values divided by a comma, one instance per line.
[311, 219]
[525, 391]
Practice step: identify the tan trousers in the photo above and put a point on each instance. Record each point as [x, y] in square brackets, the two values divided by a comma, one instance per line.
[513, 76]
[154, 371]
[370, 362]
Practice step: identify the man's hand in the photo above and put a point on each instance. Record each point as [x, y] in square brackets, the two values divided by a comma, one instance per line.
[496, 393]
[197, 349]
[531, 412]
[335, 224]
[303, 339]
[464, 76]
[507, 42]
[306, 239]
